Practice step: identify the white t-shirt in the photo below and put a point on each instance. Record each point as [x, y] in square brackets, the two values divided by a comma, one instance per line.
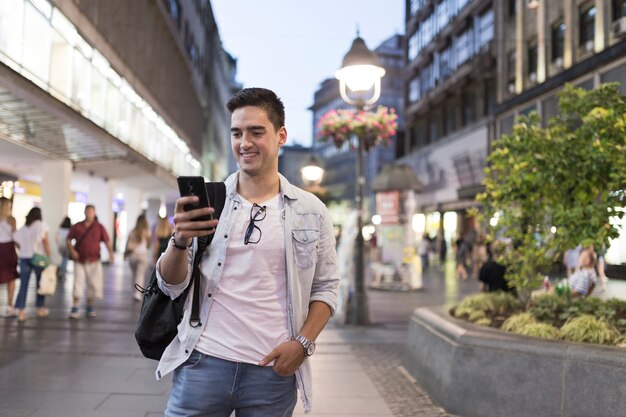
[30, 238]
[6, 234]
[248, 315]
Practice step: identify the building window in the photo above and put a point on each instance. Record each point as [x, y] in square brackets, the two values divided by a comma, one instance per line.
[558, 43]
[413, 47]
[414, 90]
[511, 72]
[173, 6]
[532, 62]
[485, 28]
[512, 7]
[469, 108]
[587, 25]
[619, 9]
[463, 46]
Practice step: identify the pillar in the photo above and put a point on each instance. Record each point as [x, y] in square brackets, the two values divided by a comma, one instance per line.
[55, 197]
[570, 11]
[520, 46]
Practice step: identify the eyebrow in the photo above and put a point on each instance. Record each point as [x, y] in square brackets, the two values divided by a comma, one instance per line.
[249, 128]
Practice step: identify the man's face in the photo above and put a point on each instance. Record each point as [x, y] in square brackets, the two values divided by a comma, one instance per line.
[90, 214]
[254, 140]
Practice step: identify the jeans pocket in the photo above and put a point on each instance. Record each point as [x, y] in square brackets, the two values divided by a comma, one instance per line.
[305, 245]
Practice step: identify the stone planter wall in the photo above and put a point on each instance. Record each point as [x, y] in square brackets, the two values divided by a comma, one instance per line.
[473, 371]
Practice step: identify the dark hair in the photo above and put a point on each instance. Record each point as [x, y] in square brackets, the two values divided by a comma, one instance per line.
[33, 215]
[90, 206]
[66, 223]
[263, 98]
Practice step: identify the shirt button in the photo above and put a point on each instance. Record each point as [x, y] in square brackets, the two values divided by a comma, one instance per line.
[219, 264]
[234, 208]
[210, 295]
[186, 351]
[225, 236]
[305, 239]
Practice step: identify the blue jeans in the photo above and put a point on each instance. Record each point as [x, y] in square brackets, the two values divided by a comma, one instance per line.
[211, 387]
[25, 269]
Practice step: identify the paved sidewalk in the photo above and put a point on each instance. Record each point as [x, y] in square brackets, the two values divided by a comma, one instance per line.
[56, 367]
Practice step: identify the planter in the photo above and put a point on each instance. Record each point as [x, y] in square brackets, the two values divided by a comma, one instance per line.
[473, 371]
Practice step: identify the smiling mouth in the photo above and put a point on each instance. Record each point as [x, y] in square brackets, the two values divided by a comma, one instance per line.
[247, 155]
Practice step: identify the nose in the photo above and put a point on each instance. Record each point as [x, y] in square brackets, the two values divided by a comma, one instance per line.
[245, 142]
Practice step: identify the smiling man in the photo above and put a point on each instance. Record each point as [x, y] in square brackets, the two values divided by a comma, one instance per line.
[269, 281]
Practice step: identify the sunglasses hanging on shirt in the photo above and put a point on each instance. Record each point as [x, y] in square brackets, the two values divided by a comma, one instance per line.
[253, 232]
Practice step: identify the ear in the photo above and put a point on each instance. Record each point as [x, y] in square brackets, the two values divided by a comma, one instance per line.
[282, 136]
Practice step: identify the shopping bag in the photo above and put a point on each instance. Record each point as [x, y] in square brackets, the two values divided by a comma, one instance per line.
[48, 282]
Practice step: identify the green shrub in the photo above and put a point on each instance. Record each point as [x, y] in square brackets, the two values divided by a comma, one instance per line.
[516, 322]
[546, 307]
[589, 329]
[483, 322]
[542, 330]
[495, 302]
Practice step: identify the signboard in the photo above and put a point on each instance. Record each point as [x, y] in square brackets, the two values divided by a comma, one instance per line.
[388, 207]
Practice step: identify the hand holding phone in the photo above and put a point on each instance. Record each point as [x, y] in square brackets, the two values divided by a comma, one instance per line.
[194, 186]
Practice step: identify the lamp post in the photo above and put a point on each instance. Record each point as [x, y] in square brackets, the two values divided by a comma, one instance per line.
[360, 73]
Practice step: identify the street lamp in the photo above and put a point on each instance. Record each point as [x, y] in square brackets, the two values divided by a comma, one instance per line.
[312, 173]
[360, 73]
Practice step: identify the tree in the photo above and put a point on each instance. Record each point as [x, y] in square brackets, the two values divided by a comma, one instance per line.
[550, 189]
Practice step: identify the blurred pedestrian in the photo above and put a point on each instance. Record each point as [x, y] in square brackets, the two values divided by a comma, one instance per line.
[424, 250]
[61, 238]
[443, 249]
[137, 253]
[8, 256]
[461, 258]
[600, 269]
[31, 239]
[479, 254]
[491, 273]
[85, 253]
[570, 259]
[162, 235]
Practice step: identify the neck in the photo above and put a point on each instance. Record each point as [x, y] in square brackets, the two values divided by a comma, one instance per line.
[258, 189]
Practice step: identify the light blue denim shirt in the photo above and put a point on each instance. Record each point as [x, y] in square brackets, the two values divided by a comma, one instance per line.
[311, 266]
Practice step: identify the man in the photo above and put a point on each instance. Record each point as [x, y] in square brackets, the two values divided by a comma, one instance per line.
[86, 255]
[269, 281]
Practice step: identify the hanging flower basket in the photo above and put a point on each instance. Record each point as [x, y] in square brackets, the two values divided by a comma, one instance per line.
[373, 128]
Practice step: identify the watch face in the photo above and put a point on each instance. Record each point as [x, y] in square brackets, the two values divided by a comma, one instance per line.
[311, 349]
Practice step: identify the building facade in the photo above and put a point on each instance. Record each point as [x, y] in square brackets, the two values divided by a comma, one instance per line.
[473, 66]
[451, 78]
[340, 163]
[107, 102]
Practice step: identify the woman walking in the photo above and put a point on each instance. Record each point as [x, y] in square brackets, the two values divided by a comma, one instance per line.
[8, 256]
[137, 252]
[32, 238]
[162, 234]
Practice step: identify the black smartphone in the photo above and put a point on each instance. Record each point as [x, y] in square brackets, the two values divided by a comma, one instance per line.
[195, 186]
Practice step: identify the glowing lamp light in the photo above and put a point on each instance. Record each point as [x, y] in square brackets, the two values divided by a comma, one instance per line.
[360, 77]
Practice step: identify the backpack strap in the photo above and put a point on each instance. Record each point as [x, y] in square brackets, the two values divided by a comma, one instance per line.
[217, 198]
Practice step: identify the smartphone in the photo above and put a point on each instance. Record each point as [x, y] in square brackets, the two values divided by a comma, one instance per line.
[195, 186]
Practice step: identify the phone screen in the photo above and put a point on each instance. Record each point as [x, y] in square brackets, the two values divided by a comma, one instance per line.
[195, 186]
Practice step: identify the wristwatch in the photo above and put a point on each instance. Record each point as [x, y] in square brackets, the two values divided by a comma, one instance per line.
[308, 345]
